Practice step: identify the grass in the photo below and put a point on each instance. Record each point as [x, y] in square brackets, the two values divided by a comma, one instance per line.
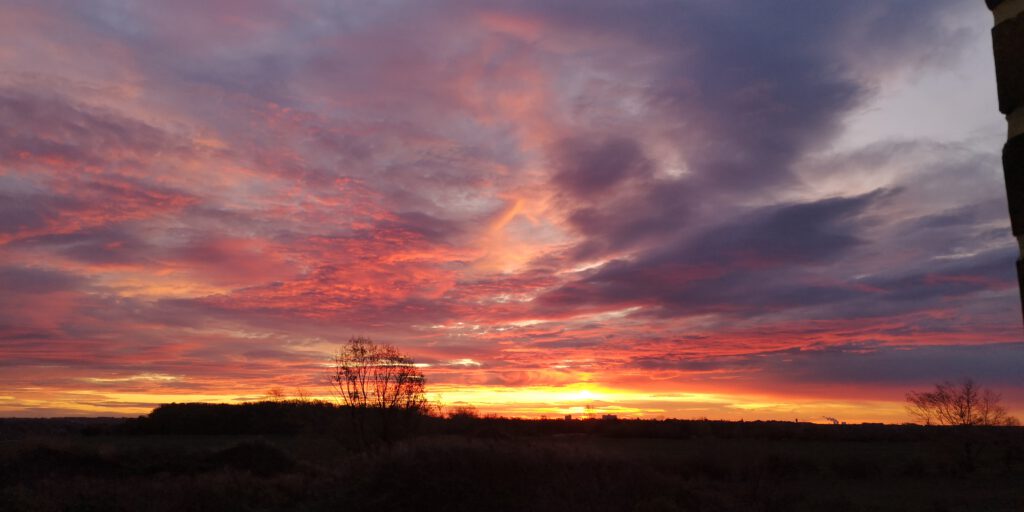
[493, 464]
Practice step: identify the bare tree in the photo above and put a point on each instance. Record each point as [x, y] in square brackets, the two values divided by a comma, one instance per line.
[368, 375]
[965, 403]
[275, 394]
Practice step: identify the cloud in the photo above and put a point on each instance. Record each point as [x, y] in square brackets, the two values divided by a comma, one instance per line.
[565, 192]
[33, 280]
[104, 245]
[769, 249]
[868, 364]
[46, 128]
[587, 169]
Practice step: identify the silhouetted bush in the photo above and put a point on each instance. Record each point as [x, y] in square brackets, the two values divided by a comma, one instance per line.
[268, 418]
[279, 418]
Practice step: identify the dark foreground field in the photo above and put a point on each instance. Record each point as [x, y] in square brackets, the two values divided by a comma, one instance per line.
[256, 461]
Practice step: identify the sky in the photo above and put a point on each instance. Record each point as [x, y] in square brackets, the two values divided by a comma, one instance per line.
[725, 209]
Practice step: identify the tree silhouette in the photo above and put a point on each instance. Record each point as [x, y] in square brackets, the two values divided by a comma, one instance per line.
[965, 403]
[368, 375]
[383, 389]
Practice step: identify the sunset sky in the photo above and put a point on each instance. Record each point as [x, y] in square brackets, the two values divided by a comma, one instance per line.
[725, 209]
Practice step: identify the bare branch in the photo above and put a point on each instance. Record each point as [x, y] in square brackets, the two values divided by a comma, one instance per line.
[958, 404]
[366, 374]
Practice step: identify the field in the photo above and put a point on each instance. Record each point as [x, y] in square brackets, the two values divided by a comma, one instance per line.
[468, 463]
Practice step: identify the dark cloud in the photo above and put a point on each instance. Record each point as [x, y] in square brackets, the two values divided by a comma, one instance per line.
[89, 220]
[860, 363]
[744, 266]
[427, 226]
[105, 245]
[31, 211]
[43, 125]
[930, 285]
[784, 257]
[745, 90]
[949, 218]
[787, 235]
[657, 211]
[587, 168]
[36, 280]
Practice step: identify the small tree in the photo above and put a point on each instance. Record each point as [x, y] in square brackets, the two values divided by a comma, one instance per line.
[382, 389]
[959, 404]
[368, 375]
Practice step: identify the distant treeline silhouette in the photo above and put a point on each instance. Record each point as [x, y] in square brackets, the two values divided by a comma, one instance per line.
[267, 418]
[327, 419]
[359, 425]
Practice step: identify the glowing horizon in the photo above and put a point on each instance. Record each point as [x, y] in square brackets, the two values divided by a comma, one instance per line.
[724, 210]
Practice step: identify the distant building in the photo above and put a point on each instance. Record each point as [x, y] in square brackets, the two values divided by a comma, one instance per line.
[568, 417]
[609, 417]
